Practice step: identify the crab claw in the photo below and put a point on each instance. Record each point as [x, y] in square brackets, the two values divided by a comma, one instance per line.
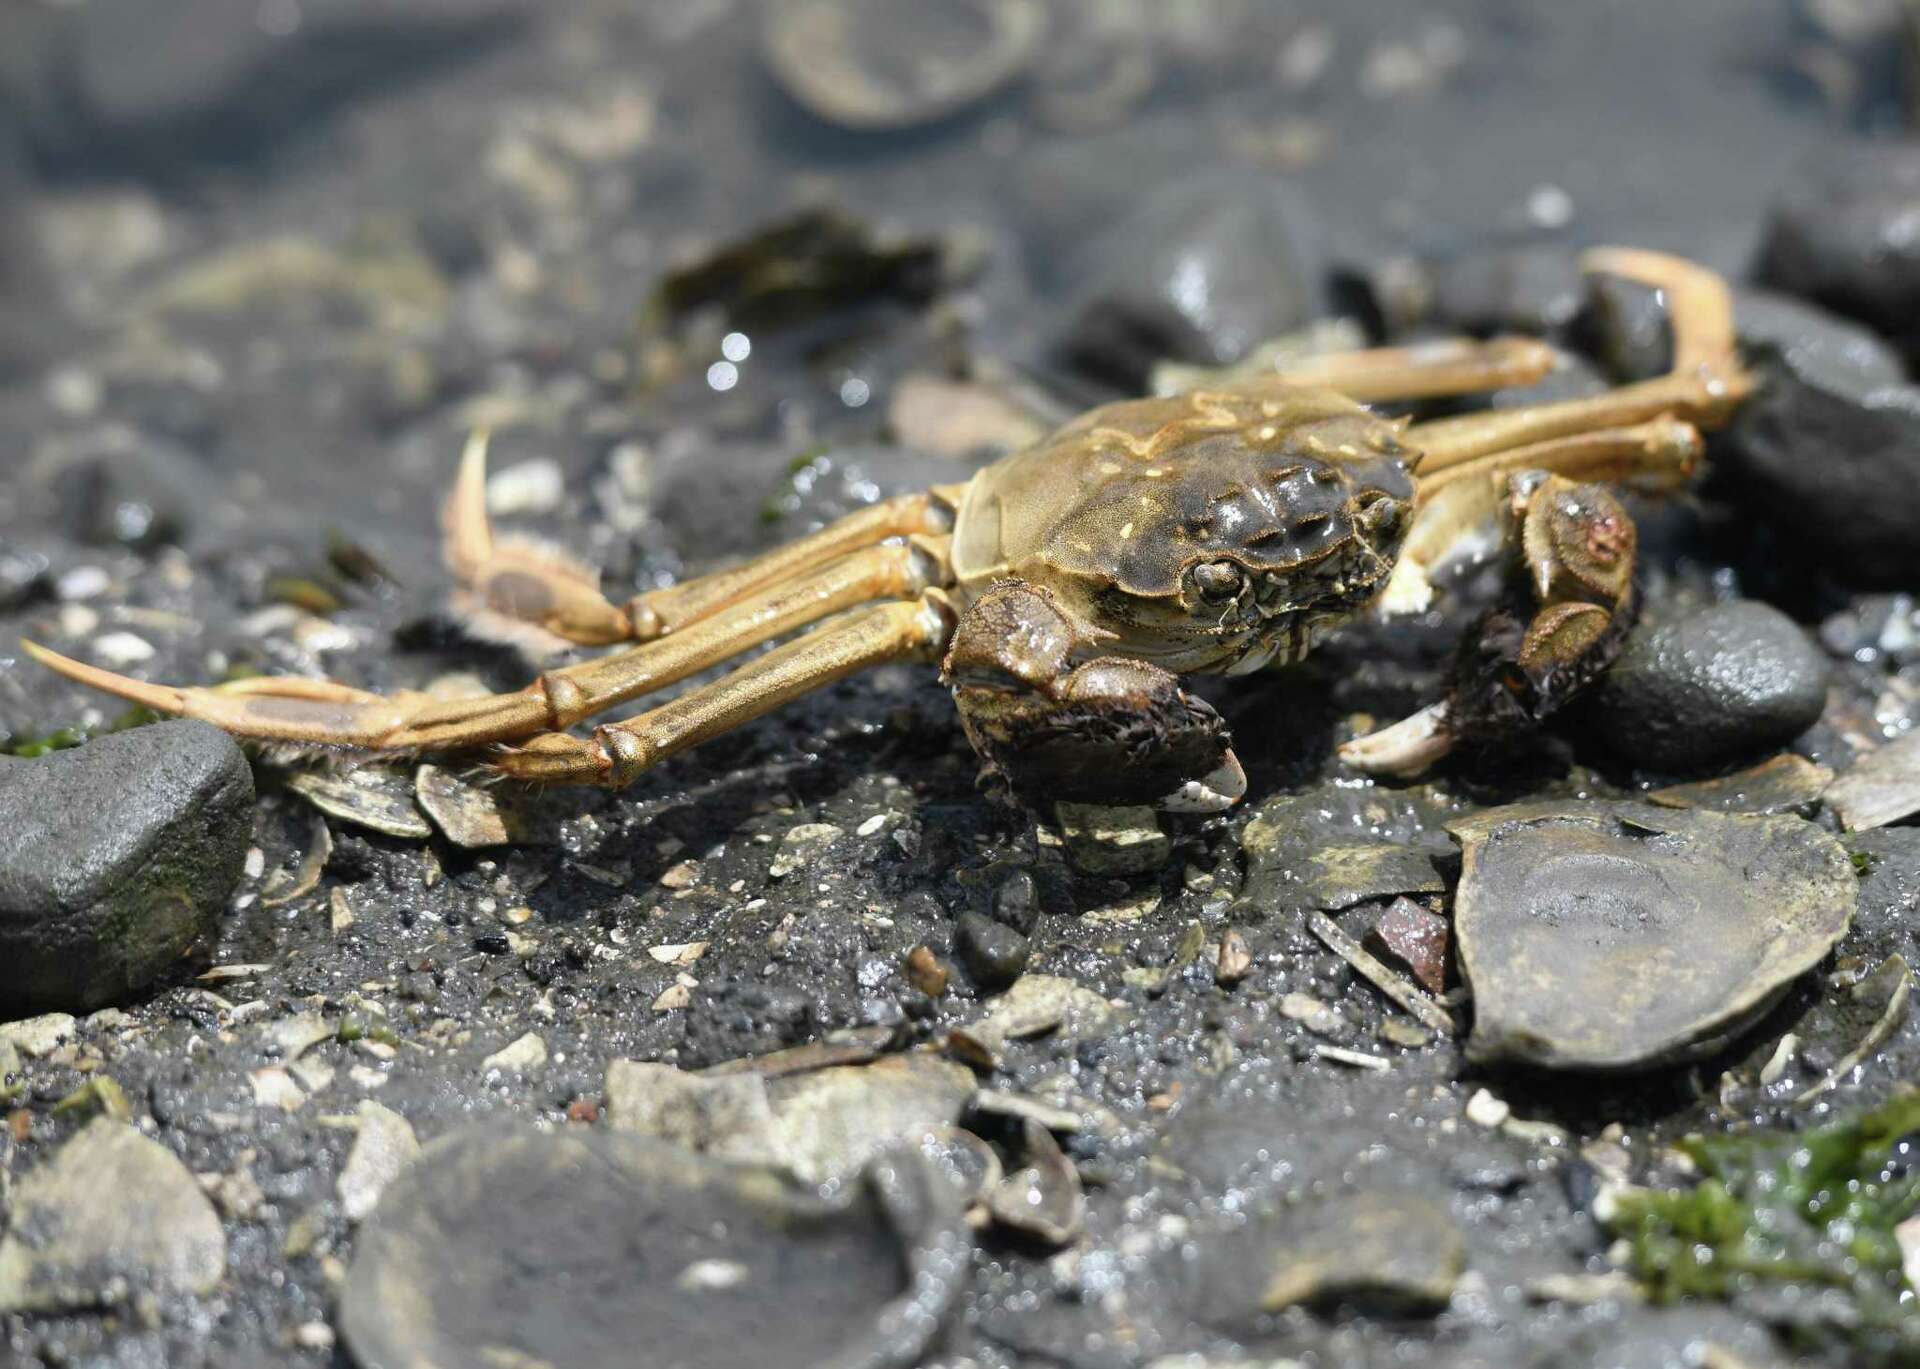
[300, 713]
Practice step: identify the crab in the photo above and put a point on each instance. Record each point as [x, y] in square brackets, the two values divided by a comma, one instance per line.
[1066, 589]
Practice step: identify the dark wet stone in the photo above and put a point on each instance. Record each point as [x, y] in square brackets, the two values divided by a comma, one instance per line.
[1824, 451]
[115, 485]
[1620, 936]
[1841, 234]
[994, 953]
[110, 1216]
[1390, 1252]
[1016, 902]
[1205, 270]
[1828, 452]
[1625, 326]
[1889, 891]
[116, 859]
[1724, 682]
[873, 65]
[575, 1248]
[1535, 290]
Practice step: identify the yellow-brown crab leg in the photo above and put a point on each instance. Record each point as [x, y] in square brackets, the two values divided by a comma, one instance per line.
[1705, 386]
[618, 753]
[526, 593]
[302, 712]
[1460, 508]
[1425, 370]
[661, 611]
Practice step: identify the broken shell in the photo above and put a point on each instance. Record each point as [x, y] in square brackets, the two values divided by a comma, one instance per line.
[1883, 787]
[964, 1160]
[471, 815]
[1620, 936]
[575, 1247]
[1044, 1200]
[373, 797]
[1781, 785]
[873, 66]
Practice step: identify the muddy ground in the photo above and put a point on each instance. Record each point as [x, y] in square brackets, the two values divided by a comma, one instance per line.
[473, 207]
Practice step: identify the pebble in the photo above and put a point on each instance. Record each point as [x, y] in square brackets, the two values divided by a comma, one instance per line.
[1711, 686]
[523, 1053]
[1203, 270]
[1622, 936]
[111, 1216]
[117, 859]
[526, 487]
[122, 649]
[383, 1147]
[37, 1036]
[1418, 939]
[587, 1243]
[1016, 902]
[1485, 1110]
[994, 953]
[801, 846]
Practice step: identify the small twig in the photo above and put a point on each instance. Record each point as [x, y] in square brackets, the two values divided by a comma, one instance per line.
[1390, 982]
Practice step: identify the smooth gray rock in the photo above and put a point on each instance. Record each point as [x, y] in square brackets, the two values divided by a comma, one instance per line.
[110, 1215]
[1841, 234]
[1204, 271]
[1727, 681]
[116, 859]
[994, 953]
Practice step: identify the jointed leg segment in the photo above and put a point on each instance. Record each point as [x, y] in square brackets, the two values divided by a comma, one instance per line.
[520, 588]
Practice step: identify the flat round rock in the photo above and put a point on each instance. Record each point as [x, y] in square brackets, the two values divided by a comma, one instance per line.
[1623, 936]
[592, 1248]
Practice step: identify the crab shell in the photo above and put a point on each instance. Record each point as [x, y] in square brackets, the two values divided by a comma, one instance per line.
[1208, 533]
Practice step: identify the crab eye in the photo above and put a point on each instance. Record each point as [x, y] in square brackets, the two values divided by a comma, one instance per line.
[1381, 514]
[1217, 580]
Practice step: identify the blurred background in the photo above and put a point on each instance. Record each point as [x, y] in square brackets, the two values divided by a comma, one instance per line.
[264, 262]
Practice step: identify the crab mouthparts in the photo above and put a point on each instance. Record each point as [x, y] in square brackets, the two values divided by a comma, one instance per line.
[1283, 641]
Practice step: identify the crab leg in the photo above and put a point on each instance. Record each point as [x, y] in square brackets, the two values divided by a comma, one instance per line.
[1704, 387]
[301, 712]
[619, 753]
[1426, 370]
[1459, 510]
[528, 594]
[661, 611]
